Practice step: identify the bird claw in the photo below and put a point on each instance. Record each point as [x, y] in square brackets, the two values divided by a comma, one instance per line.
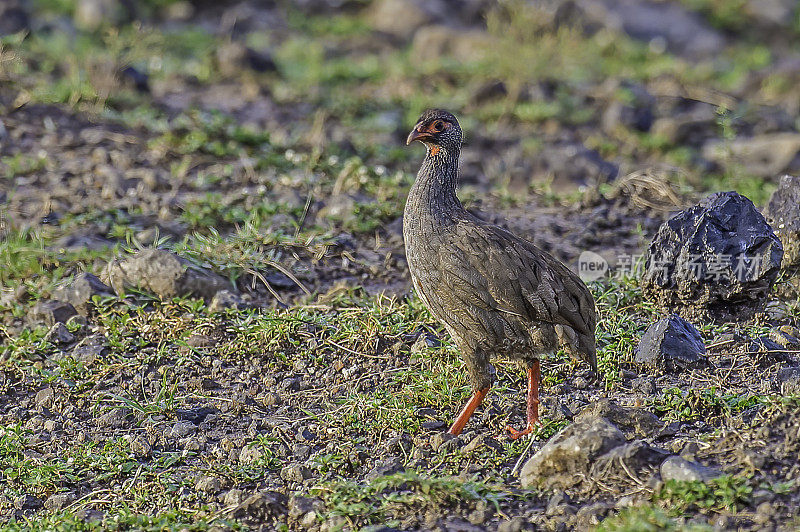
[515, 434]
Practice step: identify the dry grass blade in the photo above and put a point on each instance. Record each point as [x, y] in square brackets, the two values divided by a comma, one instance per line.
[650, 189]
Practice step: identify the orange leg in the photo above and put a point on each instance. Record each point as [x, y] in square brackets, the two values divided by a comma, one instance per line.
[466, 412]
[534, 376]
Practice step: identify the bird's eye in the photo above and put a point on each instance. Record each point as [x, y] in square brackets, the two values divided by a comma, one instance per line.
[438, 125]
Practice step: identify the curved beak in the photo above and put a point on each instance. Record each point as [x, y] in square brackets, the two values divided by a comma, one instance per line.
[416, 134]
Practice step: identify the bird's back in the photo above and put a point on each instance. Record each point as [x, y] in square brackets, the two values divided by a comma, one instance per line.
[498, 293]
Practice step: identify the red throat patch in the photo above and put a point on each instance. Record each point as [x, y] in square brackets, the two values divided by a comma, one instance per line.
[435, 150]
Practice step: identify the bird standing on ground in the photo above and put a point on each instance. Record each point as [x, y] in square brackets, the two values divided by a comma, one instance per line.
[496, 294]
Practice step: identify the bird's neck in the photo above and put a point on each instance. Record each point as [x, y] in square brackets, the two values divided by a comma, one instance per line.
[434, 191]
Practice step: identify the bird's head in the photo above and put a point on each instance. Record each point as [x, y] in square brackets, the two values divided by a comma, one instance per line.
[438, 130]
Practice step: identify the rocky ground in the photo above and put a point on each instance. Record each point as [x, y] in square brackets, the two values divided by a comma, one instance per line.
[206, 315]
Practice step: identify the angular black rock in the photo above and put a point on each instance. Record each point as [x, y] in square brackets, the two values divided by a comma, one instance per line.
[715, 260]
[783, 214]
[671, 343]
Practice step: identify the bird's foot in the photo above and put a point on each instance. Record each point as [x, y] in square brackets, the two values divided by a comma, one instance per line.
[515, 434]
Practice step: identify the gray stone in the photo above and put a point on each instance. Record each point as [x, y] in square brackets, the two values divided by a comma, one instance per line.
[44, 397]
[765, 345]
[91, 15]
[772, 14]
[386, 466]
[140, 447]
[632, 421]
[226, 299]
[631, 457]
[570, 452]
[51, 312]
[591, 515]
[671, 343]
[663, 24]
[262, 505]
[90, 348]
[233, 497]
[13, 18]
[432, 43]
[80, 290]
[691, 127]
[250, 454]
[27, 502]
[783, 214]
[788, 380]
[572, 165]
[765, 155]
[181, 429]
[399, 18]
[116, 418]
[59, 334]
[58, 501]
[300, 506]
[718, 259]
[636, 112]
[786, 336]
[645, 385]
[208, 484]
[295, 473]
[680, 469]
[164, 274]
[515, 524]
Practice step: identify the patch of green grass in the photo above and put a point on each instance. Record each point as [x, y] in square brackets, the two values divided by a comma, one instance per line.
[30, 258]
[83, 69]
[211, 133]
[388, 499]
[42, 477]
[677, 405]
[21, 165]
[725, 14]
[217, 210]
[173, 520]
[163, 401]
[333, 26]
[623, 316]
[646, 519]
[723, 493]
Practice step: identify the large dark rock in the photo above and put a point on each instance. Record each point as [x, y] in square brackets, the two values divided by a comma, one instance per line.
[717, 259]
[671, 343]
[164, 274]
[569, 453]
[79, 291]
[783, 214]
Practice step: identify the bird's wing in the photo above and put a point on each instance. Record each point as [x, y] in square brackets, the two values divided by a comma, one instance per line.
[493, 269]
